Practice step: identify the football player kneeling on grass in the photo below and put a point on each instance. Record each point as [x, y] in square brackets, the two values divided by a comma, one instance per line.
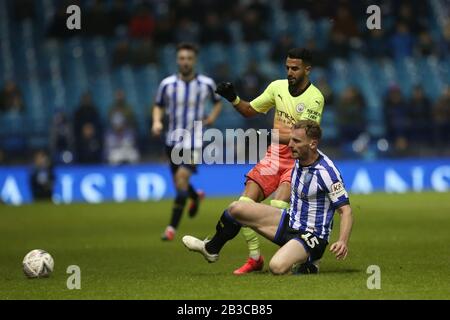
[303, 230]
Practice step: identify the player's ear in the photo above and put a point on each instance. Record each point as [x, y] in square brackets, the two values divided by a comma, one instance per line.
[313, 144]
[307, 70]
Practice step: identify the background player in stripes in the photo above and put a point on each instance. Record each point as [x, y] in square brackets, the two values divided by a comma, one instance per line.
[184, 96]
[294, 98]
[303, 230]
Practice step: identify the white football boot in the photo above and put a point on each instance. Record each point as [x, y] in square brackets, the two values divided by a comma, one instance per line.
[198, 245]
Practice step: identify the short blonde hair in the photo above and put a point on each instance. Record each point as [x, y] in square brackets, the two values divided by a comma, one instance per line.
[312, 128]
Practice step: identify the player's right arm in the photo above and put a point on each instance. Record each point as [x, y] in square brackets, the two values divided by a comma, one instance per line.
[226, 90]
[158, 110]
[157, 124]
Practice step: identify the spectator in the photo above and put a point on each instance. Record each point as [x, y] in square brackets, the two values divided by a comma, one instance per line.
[338, 45]
[344, 23]
[396, 118]
[351, 114]
[444, 43]
[376, 44]
[250, 85]
[214, 30]
[252, 27]
[227, 10]
[144, 53]
[120, 106]
[221, 72]
[119, 15]
[86, 113]
[320, 57]
[401, 42]
[164, 32]
[260, 7]
[58, 28]
[90, 145]
[42, 176]
[419, 116]
[441, 119]
[281, 47]
[142, 23]
[425, 44]
[324, 87]
[120, 142]
[61, 139]
[187, 31]
[97, 21]
[11, 98]
[413, 15]
[121, 54]
[192, 9]
[315, 9]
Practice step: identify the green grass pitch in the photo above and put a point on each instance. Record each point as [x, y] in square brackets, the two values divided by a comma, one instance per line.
[121, 256]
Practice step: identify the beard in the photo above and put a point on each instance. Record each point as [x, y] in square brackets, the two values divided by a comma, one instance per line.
[294, 86]
[185, 71]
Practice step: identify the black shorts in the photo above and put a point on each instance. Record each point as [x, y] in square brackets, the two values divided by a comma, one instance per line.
[314, 245]
[188, 165]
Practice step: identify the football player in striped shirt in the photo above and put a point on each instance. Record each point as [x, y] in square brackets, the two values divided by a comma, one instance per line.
[303, 230]
[294, 98]
[183, 96]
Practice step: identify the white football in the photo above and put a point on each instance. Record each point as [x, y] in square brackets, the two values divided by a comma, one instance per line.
[38, 264]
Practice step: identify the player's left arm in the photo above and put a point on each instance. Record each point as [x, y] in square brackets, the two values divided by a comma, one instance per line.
[341, 203]
[217, 106]
[340, 247]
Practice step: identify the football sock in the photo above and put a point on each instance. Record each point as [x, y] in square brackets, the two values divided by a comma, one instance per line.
[227, 228]
[178, 207]
[279, 204]
[251, 237]
[192, 192]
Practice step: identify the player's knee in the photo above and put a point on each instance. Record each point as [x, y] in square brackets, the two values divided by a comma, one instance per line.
[234, 209]
[277, 267]
[181, 183]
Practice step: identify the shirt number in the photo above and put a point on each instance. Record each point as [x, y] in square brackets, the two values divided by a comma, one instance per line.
[310, 240]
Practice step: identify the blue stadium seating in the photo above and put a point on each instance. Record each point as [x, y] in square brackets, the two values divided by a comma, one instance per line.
[55, 74]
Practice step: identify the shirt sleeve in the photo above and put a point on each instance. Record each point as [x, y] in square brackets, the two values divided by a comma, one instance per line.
[265, 101]
[214, 96]
[160, 95]
[335, 188]
[313, 110]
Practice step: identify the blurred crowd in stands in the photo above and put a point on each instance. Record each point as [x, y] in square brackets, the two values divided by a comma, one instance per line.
[410, 120]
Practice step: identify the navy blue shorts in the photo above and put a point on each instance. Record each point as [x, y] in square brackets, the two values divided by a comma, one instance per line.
[314, 245]
[174, 167]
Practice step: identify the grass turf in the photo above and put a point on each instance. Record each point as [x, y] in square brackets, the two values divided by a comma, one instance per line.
[121, 256]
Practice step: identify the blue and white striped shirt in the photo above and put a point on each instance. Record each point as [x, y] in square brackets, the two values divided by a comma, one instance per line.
[185, 103]
[316, 192]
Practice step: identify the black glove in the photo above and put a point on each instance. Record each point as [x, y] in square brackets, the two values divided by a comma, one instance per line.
[226, 90]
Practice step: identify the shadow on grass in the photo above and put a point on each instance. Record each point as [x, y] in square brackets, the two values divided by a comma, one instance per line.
[268, 273]
[341, 271]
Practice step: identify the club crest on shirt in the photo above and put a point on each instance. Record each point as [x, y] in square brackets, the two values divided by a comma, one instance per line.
[300, 107]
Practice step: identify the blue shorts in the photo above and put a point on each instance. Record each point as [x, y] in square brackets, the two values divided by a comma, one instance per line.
[174, 167]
